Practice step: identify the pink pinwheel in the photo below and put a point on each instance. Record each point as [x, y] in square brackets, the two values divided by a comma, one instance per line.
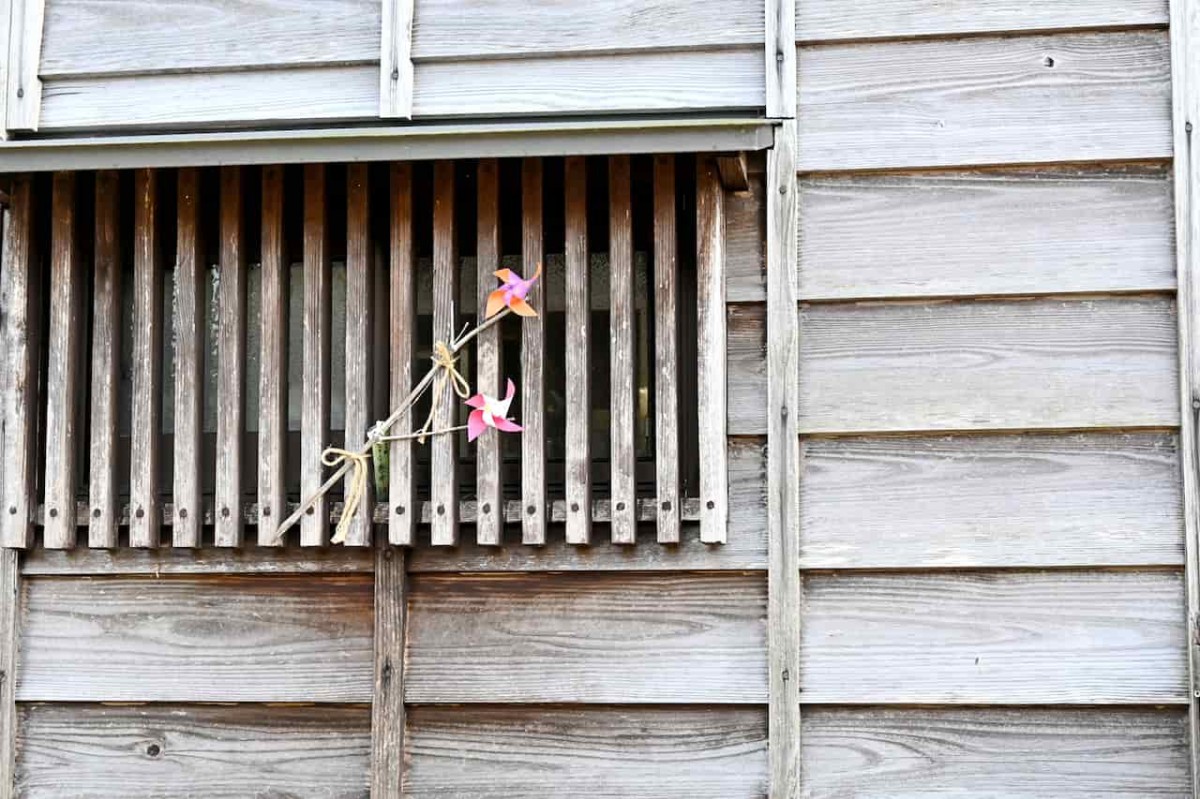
[512, 294]
[491, 412]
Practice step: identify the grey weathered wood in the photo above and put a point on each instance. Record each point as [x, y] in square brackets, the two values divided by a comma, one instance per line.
[231, 361]
[273, 359]
[314, 391]
[622, 408]
[145, 524]
[395, 59]
[402, 293]
[747, 368]
[638, 753]
[5, 67]
[991, 501]
[1025, 231]
[1071, 97]
[168, 561]
[360, 281]
[284, 638]
[106, 362]
[443, 450]
[780, 67]
[10, 604]
[910, 753]
[578, 315]
[632, 639]
[988, 365]
[193, 750]
[387, 701]
[666, 351]
[489, 527]
[63, 384]
[710, 366]
[1040, 638]
[20, 296]
[191, 272]
[533, 353]
[24, 55]
[745, 240]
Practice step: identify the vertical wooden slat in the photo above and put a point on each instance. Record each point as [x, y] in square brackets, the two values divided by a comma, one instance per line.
[360, 280]
[145, 517]
[62, 377]
[489, 527]
[231, 360]
[402, 515]
[314, 396]
[273, 382]
[621, 355]
[106, 362]
[533, 353]
[578, 352]
[20, 281]
[24, 92]
[666, 299]
[10, 600]
[189, 360]
[387, 705]
[444, 449]
[395, 61]
[710, 323]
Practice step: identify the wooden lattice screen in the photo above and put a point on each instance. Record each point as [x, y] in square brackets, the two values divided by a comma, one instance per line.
[179, 346]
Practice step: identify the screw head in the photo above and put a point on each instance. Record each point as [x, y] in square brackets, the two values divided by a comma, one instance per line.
[531, 510]
[666, 505]
[183, 513]
[266, 511]
[224, 513]
[710, 504]
[574, 507]
[54, 513]
[399, 510]
[487, 508]
[441, 510]
[140, 513]
[308, 511]
[95, 513]
[153, 750]
[620, 506]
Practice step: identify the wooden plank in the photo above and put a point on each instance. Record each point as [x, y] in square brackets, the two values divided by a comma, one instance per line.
[167, 561]
[284, 638]
[207, 37]
[827, 20]
[387, 703]
[317, 320]
[10, 604]
[231, 359]
[144, 526]
[1005, 638]
[666, 351]
[991, 501]
[1073, 753]
[745, 241]
[1023, 231]
[23, 105]
[395, 60]
[533, 353]
[711, 367]
[63, 384]
[747, 364]
[622, 406]
[191, 273]
[274, 370]
[578, 316]
[1071, 97]
[988, 365]
[193, 750]
[639, 753]
[443, 450]
[631, 639]
[360, 282]
[402, 282]
[106, 362]
[735, 172]
[20, 297]
[781, 62]
[489, 528]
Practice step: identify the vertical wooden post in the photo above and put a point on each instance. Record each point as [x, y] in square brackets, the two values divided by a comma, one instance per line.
[402, 510]
[666, 381]
[24, 91]
[360, 280]
[622, 407]
[273, 377]
[533, 369]
[710, 368]
[189, 360]
[578, 465]
[10, 603]
[489, 523]
[387, 706]
[231, 360]
[145, 516]
[314, 396]
[106, 358]
[395, 60]
[443, 450]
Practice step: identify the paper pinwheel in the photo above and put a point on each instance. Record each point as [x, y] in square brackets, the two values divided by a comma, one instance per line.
[512, 294]
[491, 412]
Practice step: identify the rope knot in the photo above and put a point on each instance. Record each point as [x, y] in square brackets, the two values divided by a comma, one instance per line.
[357, 491]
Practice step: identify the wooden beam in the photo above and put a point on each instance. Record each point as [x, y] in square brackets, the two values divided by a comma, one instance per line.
[711, 363]
[231, 360]
[10, 604]
[273, 378]
[190, 273]
[622, 406]
[402, 512]
[395, 62]
[578, 465]
[387, 705]
[147, 362]
[489, 529]
[666, 351]
[443, 449]
[533, 353]
[314, 396]
[106, 362]
[360, 281]
[24, 91]
[735, 172]
[780, 55]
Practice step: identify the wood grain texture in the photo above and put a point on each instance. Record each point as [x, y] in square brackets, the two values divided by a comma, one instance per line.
[1071, 97]
[746, 240]
[489, 525]
[197, 639]
[72, 750]
[1026, 231]
[632, 639]
[533, 353]
[395, 59]
[622, 408]
[910, 753]
[191, 272]
[360, 282]
[780, 65]
[402, 516]
[317, 321]
[577, 465]
[1017, 638]
[24, 55]
[666, 351]
[10, 609]
[231, 360]
[146, 521]
[988, 365]
[688, 753]
[711, 365]
[388, 720]
[273, 358]
[443, 449]
[106, 361]
[168, 561]
[63, 381]
[993, 501]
